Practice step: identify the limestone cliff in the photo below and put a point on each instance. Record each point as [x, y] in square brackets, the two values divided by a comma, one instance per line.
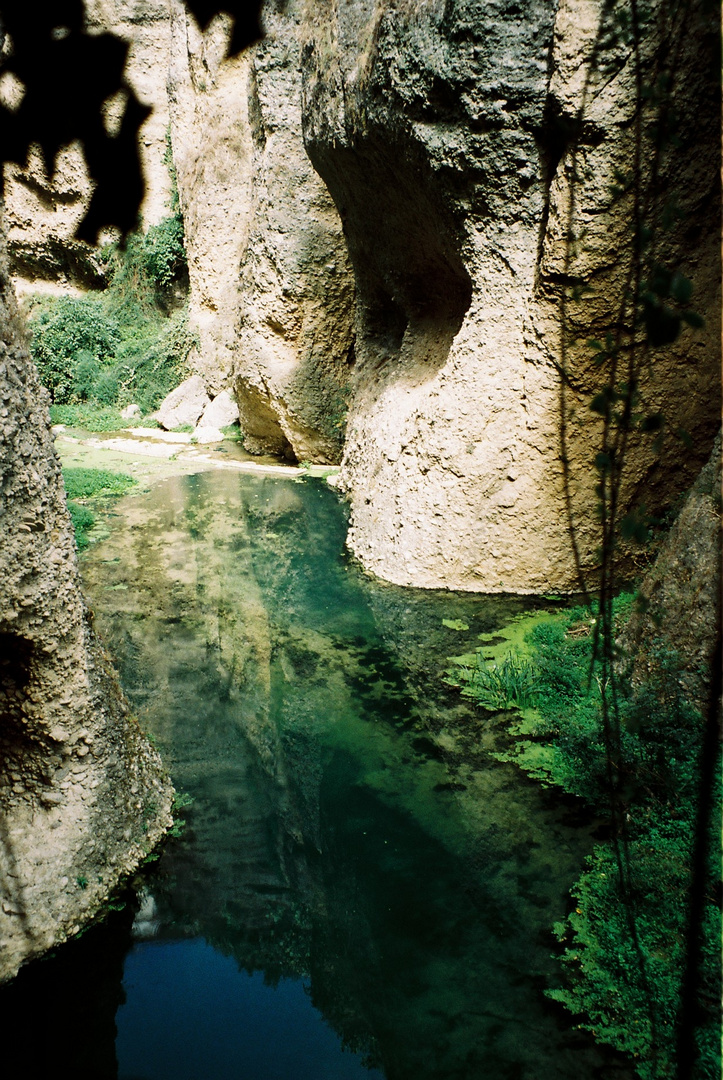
[83, 796]
[682, 591]
[444, 132]
[423, 301]
[46, 201]
[271, 287]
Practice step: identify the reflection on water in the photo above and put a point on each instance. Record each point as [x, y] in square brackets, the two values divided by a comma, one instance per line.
[221, 1024]
[350, 843]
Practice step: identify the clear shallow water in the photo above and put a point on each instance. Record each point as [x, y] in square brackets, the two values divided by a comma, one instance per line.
[357, 872]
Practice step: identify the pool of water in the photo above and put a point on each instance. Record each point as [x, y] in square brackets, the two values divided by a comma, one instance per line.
[361, 889]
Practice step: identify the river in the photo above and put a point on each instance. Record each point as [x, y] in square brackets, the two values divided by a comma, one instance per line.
[361, 890]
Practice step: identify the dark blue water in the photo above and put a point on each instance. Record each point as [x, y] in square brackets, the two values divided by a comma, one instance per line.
[361, 889]
[221, 1023]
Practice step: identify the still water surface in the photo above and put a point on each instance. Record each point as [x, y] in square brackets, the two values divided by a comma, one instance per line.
[361, 890]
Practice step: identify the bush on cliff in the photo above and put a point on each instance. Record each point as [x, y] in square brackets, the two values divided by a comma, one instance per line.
[126, 344]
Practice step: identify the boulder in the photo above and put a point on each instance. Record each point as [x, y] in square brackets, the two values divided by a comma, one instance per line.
[207, 435]
[130, 411]
[184, 405]
[220, 413]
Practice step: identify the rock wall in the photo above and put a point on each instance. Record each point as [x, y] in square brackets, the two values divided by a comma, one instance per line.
[83, 796]
[682, 591]
[416, 308]
[212, 155]
[443, 133]
[45, 201]
[271, 287]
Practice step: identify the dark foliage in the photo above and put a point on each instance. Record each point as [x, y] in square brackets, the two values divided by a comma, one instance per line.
[67, 75]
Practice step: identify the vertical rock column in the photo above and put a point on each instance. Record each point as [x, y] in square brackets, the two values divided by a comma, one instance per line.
[83, 795]
[212, 154]
[447, 135]
[271, 284]
[295, 344]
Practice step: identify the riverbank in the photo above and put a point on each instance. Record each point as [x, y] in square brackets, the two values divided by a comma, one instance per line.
[150, 454]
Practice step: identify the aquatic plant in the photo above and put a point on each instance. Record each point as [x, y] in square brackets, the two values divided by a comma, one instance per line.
[88, 484]
[558, 739]
[509, 684]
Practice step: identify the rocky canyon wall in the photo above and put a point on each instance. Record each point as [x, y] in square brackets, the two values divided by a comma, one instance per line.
[443, 131]
[83, 796]
[413, 280]
[271, 285]
[46, 201]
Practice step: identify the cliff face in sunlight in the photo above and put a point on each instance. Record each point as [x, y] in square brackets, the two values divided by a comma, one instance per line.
[445, 135]
[45, 201]
[387, 207]
[83, 796]
[271, 285]
[449, 139]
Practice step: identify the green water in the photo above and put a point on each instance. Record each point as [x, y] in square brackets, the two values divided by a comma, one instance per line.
[350, 838]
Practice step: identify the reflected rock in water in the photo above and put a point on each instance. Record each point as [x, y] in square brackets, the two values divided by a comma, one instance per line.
[347, 823]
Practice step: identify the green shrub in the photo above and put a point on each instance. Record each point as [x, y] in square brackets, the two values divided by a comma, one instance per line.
[164, 251]
[121, 346]
[88, 417]
[68, 331]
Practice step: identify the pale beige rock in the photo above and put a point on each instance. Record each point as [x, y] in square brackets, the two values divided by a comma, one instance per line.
[207, 434]
[295, 345]
[43, 209]
[184, 405]
[83, 797]
[45, 202]
[271, 286]
[212, 153]
[445, 143]
[146, 26]
[221, 412]
[436, 133]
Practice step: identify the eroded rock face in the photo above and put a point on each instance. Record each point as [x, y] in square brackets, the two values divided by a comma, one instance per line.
[271, 288]
[212, 152]
[83, 796]
[45, 201]
[682, 592]
[439, 130]
[42, 213]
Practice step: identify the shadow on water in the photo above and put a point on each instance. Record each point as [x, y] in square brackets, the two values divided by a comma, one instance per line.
[360, 886]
